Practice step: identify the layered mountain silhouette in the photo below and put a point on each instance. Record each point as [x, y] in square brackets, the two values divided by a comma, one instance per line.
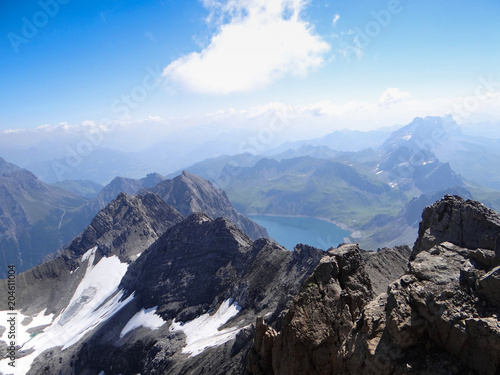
[165, 276]
[371, 191]
[35, 218]
[191, 194]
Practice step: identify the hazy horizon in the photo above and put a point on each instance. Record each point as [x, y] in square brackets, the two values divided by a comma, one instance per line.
[169, 66]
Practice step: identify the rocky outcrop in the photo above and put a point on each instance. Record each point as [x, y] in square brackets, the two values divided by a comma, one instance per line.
[467, 224]
[318, 320]
[192, 194]
[442, 315]
[215, 261]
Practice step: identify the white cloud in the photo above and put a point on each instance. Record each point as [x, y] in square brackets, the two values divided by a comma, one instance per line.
[392, 96]
[335, 19]
[257, 42]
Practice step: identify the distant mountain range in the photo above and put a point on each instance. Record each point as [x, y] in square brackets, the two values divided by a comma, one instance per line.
[35, 218]
[364, 190]
[461, 146]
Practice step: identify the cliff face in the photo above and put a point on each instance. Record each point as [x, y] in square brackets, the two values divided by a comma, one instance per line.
[467, 224]
[318, 320]
[442, 315]
[125, 228]
[190, 275]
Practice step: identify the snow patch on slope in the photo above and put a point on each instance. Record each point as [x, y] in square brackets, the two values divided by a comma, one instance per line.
[203, 332]
[144, 318]
[95, 300]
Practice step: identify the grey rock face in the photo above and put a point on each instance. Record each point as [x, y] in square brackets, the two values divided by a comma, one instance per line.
[189, 271]
[202, 260]
[442, 315]
[467, 224]
[127, 226]
[385, 265]
[318, 320]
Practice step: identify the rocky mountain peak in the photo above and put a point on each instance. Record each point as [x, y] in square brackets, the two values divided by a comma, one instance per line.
[420, 133]
[192, 194]
[152, 179]
[465, 223]
[127, 225]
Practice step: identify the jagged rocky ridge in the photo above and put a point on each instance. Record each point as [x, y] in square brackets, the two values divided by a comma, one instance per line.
[442, 316]
[277, 312]
[38, 221]
[85, 298]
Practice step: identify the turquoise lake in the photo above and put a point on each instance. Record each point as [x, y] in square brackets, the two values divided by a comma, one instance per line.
[289, 231]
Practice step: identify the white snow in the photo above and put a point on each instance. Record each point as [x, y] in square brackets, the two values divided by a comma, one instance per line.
[407, 137]
[203, 332]
[95, 300]
[88, 254]
[144, 318]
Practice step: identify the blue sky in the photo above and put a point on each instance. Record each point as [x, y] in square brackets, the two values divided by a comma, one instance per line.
[365, 63]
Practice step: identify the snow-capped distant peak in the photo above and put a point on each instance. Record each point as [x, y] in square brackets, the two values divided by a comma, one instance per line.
[407, 137]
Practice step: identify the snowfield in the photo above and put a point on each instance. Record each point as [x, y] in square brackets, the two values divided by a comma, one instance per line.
[144, 318]
[203, 332]
[95, 300]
